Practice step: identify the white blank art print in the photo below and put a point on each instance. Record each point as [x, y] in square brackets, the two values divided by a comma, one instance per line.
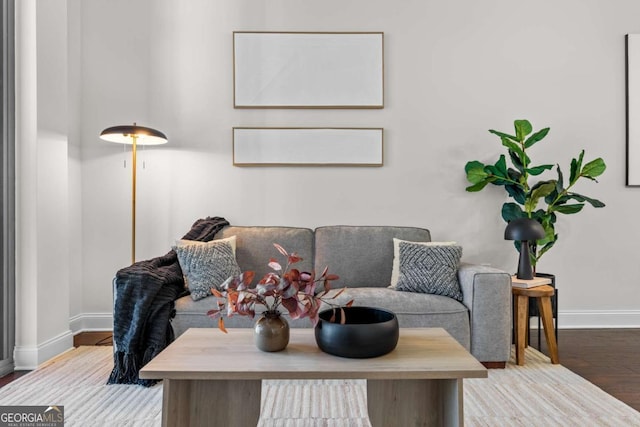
[633, 109]
[308, 70]
[307, 146]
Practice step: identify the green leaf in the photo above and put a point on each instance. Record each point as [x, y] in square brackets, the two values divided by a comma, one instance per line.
[498, 171]
[576, 167]
[516, 161]
[530, 204]
[560, 182]
[541, 189]
[477, 186]
[561, 200]
[501, 165]
[536, 137]
[523, 128]
[569, 209]
[594, 168]
[547, 246]
[537, 170]
[475, 172]
[510, 144]
[516, 149]
[580, 198]
[503, 135]
[516, 192]
[542, 217]
[491, 170]
[514, 175]
[551, 197]
[549, 231]
[511, 211]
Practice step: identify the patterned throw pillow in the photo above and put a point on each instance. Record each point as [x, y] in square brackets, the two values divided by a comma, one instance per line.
[395, 272]
[429, 269]
[206, 265]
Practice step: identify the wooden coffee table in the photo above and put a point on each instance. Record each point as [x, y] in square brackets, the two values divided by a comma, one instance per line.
[209, 375]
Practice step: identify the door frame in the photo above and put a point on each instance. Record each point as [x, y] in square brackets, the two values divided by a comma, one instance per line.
[7, 169]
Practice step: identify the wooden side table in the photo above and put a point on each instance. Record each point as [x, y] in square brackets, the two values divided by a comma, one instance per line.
[543, 295]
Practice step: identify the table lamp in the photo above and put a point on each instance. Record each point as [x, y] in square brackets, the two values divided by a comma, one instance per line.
[524, 230]
[134, 135]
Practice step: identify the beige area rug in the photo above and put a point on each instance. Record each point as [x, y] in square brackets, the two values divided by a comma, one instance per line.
[537, 394]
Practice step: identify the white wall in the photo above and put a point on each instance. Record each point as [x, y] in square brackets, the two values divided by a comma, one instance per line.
[453, 69]
[42, 257]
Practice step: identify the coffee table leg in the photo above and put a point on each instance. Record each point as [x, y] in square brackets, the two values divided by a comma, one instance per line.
[196, 403]
[415, 402]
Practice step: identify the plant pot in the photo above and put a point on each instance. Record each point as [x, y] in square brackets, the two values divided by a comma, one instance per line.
[271, 332]
[366, 332]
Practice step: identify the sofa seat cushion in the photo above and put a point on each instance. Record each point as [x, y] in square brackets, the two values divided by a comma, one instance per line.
[414, 310]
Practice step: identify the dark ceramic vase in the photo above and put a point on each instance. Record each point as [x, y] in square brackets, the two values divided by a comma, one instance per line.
[366, 332]
[271, 332]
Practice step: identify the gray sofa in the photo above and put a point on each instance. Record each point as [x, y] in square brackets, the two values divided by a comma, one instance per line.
[363, 256]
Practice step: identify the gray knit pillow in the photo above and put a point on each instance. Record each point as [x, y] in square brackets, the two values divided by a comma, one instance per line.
[430, 269]
[206, 265]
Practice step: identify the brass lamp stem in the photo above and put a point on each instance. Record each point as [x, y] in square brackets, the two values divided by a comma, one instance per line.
[134, 137]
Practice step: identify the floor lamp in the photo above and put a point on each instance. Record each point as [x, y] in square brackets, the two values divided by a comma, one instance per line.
[134, 135]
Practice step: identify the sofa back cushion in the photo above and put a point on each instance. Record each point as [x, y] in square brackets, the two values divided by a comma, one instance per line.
[361, 255]
[254, 246]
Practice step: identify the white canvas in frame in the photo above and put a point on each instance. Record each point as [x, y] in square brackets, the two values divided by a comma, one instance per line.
[633, 109]
[308, 70]
[307, 146]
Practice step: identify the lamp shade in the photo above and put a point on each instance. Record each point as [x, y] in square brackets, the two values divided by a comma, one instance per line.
[524, 229]
[124, 134]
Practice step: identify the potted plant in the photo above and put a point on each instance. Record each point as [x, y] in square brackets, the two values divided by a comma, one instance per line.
[287, 287]
[541, 200]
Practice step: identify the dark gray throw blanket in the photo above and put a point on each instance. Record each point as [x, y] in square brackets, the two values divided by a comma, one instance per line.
[145, 295]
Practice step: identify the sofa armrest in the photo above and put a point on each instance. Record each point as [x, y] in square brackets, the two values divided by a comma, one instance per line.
[487, 294]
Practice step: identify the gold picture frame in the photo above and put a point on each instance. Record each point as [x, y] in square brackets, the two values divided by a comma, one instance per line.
[308, 69]
[632, 48]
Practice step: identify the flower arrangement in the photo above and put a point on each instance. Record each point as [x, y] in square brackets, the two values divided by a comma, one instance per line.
[288, 287]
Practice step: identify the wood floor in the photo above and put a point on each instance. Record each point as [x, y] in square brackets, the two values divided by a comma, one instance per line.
[609, 358]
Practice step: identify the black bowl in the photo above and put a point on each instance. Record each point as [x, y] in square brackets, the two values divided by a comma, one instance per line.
[367, 332]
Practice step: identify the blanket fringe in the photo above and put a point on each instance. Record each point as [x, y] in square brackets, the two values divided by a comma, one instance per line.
[126, 367]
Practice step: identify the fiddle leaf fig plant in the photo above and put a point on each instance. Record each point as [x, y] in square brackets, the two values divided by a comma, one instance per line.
[541, 200]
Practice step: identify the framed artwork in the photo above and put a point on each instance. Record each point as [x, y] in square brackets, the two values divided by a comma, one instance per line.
[308, 70]
[307, 146]
[633, 108]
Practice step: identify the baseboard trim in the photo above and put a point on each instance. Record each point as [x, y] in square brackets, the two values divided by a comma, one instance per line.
[91, 322]
[598, 319]
[30, 357]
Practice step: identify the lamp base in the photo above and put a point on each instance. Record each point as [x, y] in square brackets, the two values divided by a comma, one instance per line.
[525, 271]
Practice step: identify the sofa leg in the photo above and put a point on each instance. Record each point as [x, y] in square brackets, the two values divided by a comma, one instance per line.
[494, 365]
